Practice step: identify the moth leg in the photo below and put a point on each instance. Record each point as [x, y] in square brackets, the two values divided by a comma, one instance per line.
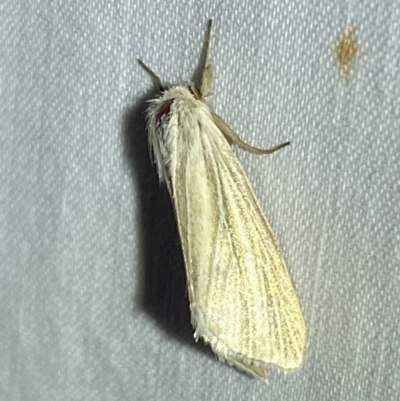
[156, 79]
[206, 71]
[232, 137]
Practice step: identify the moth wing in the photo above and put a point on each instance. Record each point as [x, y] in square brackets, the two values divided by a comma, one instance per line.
[241, 296]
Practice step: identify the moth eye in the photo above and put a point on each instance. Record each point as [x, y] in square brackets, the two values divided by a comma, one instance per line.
[163, 112]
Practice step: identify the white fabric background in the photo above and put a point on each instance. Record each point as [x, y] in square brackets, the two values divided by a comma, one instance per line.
[92, 297]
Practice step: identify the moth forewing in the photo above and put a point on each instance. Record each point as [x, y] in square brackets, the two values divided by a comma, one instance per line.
[242, 299]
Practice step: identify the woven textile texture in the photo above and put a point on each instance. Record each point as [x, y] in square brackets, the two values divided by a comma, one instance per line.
[93, 304]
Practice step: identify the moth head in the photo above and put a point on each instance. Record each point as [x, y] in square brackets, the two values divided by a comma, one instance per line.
[158, 117]
[164, 119]
[168, 117]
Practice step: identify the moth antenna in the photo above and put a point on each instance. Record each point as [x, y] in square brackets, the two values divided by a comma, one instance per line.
[156, 79]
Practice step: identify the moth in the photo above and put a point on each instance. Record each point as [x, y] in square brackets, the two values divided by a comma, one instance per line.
[242, 299]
